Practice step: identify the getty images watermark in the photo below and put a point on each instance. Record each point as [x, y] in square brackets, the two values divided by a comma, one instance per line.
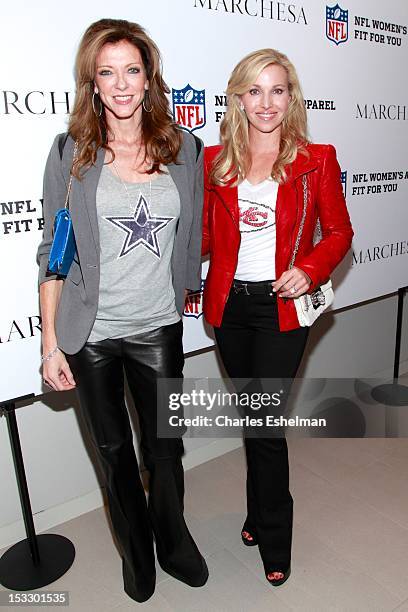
[208, 408]
[217, 401]
[303, 407]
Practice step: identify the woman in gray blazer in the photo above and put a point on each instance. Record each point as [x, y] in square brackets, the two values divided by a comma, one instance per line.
[135, 202]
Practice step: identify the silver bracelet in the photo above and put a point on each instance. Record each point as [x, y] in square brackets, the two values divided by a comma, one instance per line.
[49, 355]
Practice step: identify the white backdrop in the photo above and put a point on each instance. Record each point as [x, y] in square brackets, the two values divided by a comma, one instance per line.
[352, 64]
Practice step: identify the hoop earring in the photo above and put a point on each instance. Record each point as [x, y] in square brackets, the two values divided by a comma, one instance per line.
[147, 110]
[93, 105]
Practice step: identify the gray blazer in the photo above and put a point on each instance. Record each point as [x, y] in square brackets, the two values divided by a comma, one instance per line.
[79, 298]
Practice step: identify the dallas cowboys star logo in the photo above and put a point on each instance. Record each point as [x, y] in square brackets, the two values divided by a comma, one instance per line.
[141, 229]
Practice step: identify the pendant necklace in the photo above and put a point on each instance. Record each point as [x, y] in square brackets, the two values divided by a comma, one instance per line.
[127, 191]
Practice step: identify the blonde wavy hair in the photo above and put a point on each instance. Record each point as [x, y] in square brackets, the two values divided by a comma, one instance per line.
[233, 161]
[161, 137]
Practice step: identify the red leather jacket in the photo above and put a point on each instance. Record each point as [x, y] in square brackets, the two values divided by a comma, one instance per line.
[221, 236]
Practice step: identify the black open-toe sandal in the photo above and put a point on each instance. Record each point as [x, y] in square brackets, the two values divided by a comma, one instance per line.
[278, 581]
[249, 542]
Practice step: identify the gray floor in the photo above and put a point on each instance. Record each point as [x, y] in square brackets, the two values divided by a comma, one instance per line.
[350, 543]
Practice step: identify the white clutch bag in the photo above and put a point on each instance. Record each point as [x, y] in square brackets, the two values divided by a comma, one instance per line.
[310, 306]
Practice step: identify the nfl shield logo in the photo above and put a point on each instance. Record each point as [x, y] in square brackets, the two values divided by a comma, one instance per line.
[344, 181]
[193, 306]
[336, 24]
[189, 107]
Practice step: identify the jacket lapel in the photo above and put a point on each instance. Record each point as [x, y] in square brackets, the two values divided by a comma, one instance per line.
[227, 196]
[88, 186]
[289, 209]
[178, 173]
[287, 198]
[301, 165]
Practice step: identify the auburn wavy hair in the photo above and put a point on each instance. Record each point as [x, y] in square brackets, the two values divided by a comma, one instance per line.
[233, 161]
[161, 136]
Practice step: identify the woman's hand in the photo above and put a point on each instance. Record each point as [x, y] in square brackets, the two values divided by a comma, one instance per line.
[57, 373]
[292, 283]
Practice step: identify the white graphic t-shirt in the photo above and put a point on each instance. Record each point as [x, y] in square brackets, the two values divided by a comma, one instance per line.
[256, 257]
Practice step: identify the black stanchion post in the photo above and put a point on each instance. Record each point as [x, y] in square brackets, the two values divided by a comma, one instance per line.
[10, 413]
[38, 560]
[398, 333]
[394, 394]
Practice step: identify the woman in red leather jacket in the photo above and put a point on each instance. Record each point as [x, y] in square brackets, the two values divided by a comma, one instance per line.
[254, 198]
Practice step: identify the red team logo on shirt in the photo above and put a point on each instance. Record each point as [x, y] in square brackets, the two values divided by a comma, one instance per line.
[253, 216]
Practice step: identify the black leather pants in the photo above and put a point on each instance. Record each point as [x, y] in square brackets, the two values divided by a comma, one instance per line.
[98, 370]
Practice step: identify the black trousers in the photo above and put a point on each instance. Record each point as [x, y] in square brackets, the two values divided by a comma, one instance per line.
[251, 346]
[98, 370]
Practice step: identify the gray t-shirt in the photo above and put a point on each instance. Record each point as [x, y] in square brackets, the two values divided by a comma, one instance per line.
[137, 229]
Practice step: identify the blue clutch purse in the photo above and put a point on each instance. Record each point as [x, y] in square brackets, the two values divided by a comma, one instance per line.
[63, 248]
